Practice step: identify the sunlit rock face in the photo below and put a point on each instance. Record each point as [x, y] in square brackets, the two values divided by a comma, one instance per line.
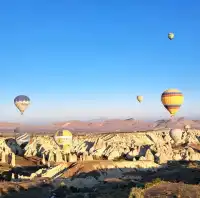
[153, 145]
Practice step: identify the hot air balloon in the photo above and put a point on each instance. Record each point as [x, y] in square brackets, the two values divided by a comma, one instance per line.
[22, 102]
[140, 98]
[21, 137]
[172, 100]
[176, 135]
[187, 127]
[63, 138]
[171, 36]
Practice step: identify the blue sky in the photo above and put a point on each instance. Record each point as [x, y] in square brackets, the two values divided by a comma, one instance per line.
[87, 59]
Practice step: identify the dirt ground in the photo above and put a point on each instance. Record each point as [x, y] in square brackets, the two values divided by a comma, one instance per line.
[179, 179]
[38, 188]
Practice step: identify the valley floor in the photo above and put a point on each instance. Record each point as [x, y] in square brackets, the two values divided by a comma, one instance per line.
[178, 179]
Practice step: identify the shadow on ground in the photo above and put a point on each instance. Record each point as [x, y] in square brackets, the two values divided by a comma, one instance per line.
[177, 179]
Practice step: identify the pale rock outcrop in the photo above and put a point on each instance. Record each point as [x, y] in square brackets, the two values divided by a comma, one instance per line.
[43, 159]
[149, 156]
[193, 156]
[176, 156]
[81, 158]
[34, 153]
[65, 157]
[28, 153]
[4, 147]
[142, 158]
[166, 137]
[112, 146]
[85, 154]
[3, 157]
[165, 152]
[53, 172]
[191, 138]
[72, 158]
[99, 147]
[13, 159]
[155, 138]
[51, 157]
[113, 155]
[58, 156]
[91, 150]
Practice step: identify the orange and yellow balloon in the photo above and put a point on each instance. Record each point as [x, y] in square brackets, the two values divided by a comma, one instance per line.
[172, 100]
[140, 98]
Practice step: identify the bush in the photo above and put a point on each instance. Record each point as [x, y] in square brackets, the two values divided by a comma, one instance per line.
[155, 181]
[121, 158]
[136, 193]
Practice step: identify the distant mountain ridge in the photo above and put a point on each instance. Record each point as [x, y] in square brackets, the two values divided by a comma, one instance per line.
[128, 125]
[108, 125]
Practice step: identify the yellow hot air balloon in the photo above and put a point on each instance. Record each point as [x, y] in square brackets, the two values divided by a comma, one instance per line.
[171, 36]
[63, 138]
[140, 98]
[172, 100]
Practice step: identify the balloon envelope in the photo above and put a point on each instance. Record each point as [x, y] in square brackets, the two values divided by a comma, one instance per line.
[63, 138]
[176, 135]
[140, 98]
[171, 35]
[187, 126]
[22, 102]
[21, 137]
[172, 100]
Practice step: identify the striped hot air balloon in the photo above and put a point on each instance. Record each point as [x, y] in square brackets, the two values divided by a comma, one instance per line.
[22, 102]
[172, 100]
[63, 138]
[140, 98]
[21, 137]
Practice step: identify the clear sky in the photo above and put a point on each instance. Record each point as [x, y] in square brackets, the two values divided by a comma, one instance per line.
[84, 59]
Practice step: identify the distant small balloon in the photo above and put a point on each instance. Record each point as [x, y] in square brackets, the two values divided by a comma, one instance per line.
[176, 135]
[22, 102]
[187, 127]
[171, 36]
[140, 98]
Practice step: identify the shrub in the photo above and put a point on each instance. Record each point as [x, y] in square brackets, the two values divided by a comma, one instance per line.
[155, 181]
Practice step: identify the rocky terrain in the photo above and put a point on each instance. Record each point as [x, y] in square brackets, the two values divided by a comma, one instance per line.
[138, 164]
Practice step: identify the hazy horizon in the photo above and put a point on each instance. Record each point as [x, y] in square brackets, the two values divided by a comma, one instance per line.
[94, 119]
[84, 60]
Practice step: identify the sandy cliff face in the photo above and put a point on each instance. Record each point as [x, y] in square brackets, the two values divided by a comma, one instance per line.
[151, 145]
